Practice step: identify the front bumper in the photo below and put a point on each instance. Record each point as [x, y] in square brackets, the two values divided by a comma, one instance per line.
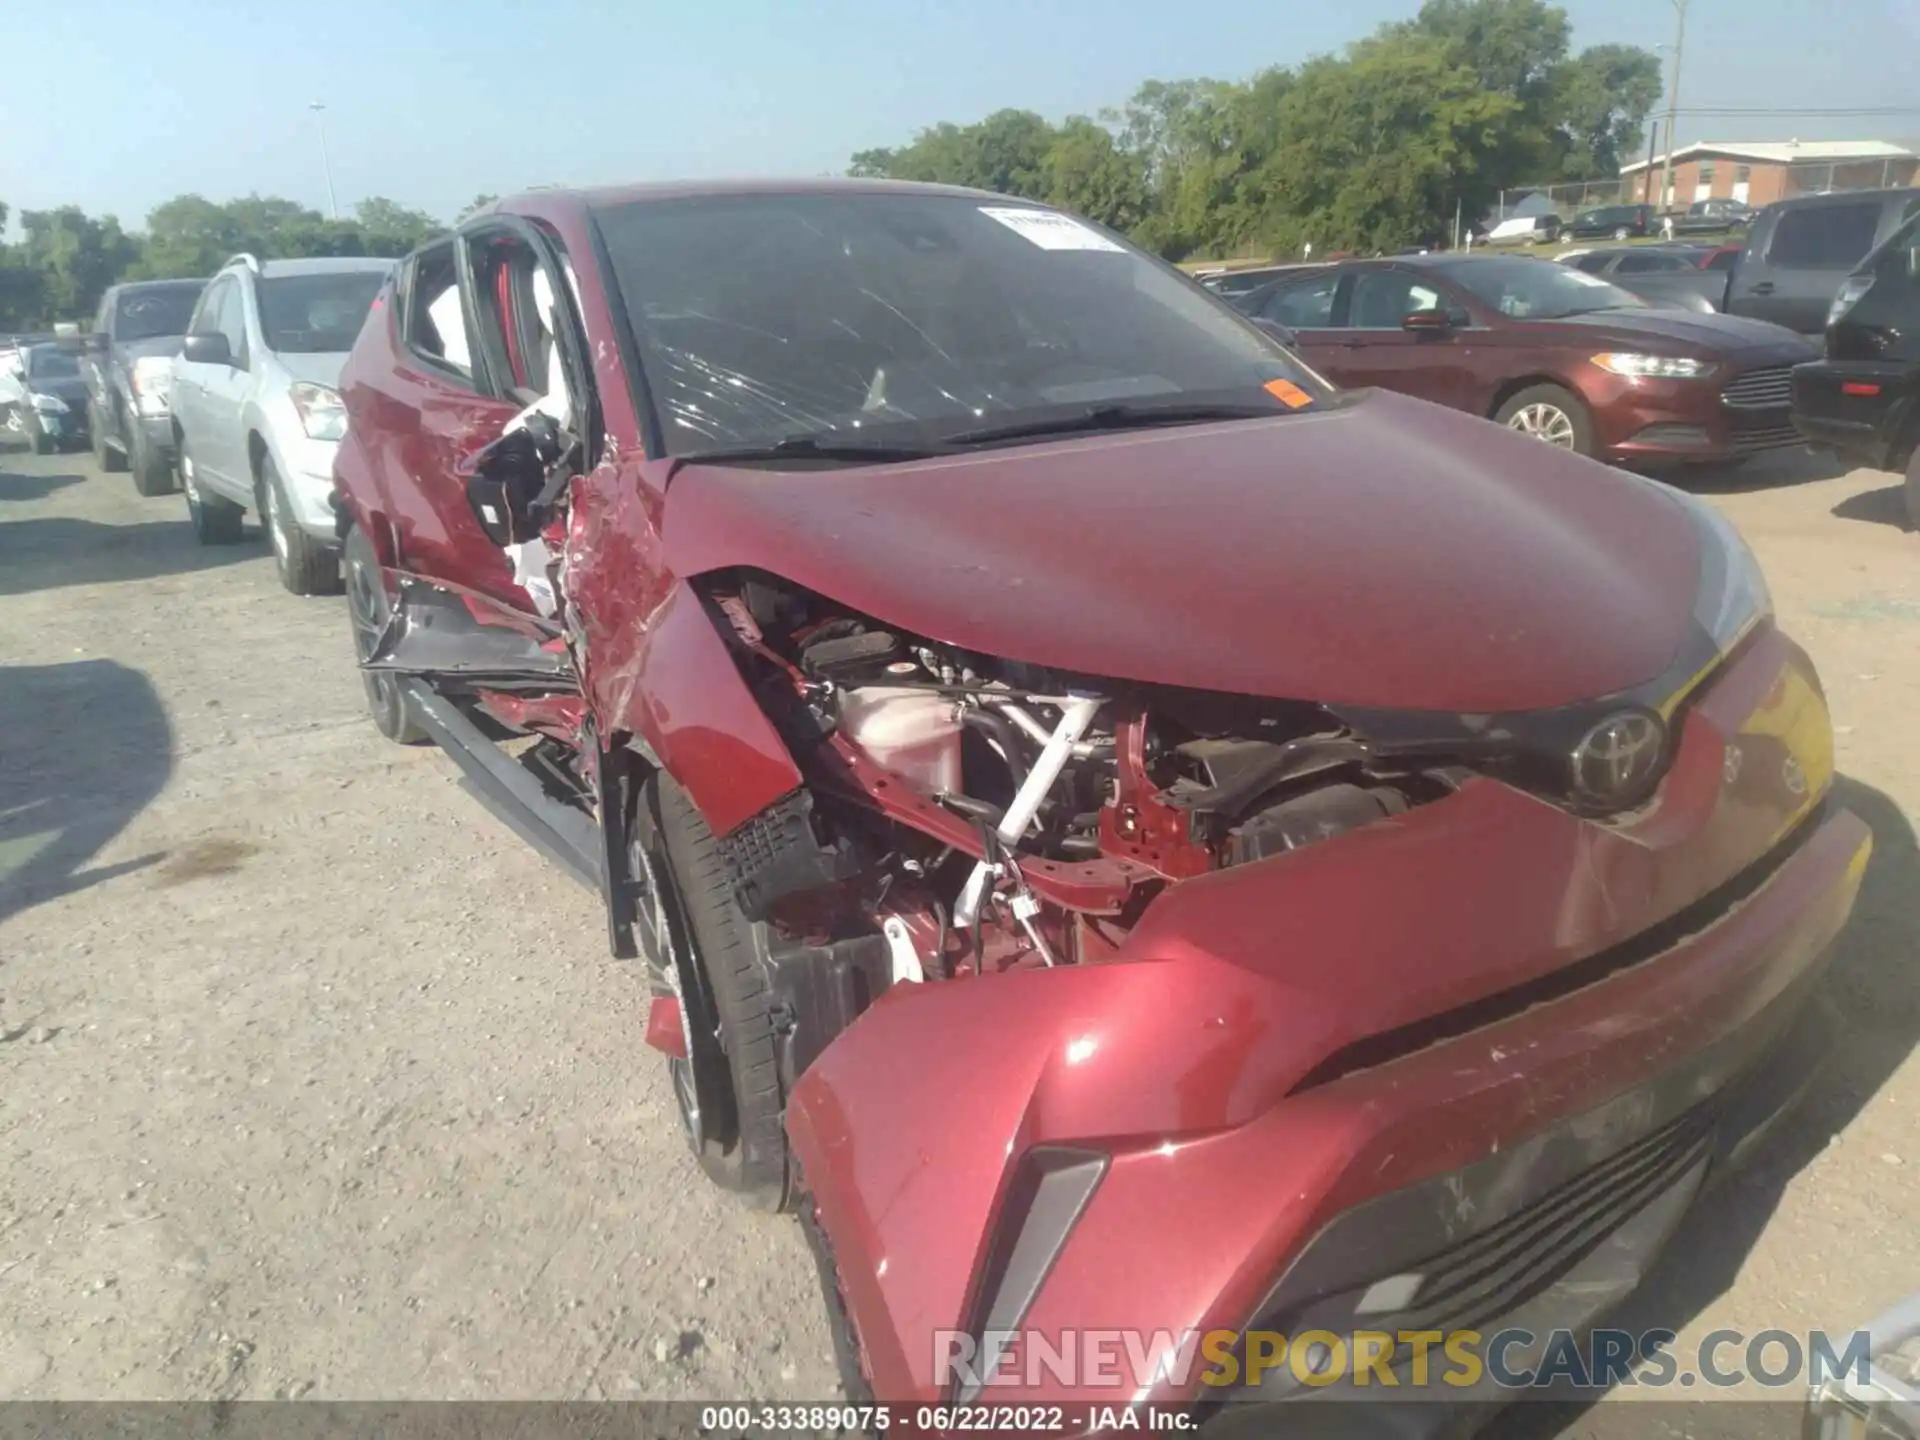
[69, 428]
[1362, 1028]
[306, 471]
[1866, 411]
[1742, 412]
[156, 432]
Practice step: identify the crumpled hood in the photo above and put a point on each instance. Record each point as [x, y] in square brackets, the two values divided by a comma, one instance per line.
[1383, 552]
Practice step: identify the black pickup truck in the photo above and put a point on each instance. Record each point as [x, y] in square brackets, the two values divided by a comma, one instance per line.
[1798, 253]
[129, 375]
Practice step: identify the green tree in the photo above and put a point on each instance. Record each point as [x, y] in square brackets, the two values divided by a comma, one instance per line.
[1600, 103]
[390, 228]
[76, 257]
[1085, 171]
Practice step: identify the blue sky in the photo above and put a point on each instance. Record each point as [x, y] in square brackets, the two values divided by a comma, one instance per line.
[119, 104]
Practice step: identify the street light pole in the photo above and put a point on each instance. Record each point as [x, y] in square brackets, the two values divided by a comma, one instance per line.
[1673, 99]
[320, 118]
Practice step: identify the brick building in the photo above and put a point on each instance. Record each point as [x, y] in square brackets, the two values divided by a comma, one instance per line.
[1762, 172]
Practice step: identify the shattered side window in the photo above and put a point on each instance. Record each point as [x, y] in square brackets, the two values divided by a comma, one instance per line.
[765, 317]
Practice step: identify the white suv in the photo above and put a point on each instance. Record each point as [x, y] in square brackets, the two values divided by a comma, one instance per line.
[256, 416]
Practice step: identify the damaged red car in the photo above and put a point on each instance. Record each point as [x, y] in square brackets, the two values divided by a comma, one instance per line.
[1122, 835]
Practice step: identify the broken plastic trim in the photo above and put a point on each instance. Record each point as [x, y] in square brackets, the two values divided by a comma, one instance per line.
[432, 632]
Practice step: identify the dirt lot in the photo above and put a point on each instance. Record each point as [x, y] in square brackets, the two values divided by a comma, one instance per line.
[314, 1081]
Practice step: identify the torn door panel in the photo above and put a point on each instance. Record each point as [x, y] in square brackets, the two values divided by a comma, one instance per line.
[437, 631]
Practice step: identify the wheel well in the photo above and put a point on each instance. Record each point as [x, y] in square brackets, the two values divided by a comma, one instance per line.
[256, 452]
[1513, 387]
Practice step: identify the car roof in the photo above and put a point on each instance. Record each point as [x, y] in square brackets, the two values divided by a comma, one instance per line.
[602, 197]
[322, 265]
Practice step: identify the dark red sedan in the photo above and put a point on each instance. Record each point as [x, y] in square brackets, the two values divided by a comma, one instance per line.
[1546, 349]
[1124, 839]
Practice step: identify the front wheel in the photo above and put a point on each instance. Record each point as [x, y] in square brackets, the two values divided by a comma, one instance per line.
[215, 519]
[738, 1135]
[43, 443]
[1549, 413]
[368, 608]
[152, 470]
[305, 566]
[1622, 232]
[109, 459]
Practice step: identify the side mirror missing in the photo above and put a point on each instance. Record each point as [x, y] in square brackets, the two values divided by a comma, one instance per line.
[507, 480]
[207, 347]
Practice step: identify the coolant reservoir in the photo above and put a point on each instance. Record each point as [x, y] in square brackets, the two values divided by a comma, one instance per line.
[911, 732]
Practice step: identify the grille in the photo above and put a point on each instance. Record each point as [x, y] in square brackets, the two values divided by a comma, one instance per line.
[1766, 437]
[1494, 1272]
[1769, 389]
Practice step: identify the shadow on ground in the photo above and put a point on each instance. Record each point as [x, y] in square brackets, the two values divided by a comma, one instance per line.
[84, 747]
[1768, 471]
[1871, 980]
[47, 553]
[18, 485]
[1886, 506]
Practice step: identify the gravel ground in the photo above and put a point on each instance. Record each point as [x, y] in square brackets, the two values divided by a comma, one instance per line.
[314, 1081]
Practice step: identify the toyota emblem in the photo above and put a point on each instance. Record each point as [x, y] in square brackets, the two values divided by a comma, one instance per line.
[1615, 760]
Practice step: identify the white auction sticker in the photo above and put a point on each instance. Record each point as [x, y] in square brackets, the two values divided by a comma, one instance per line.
[1049, 229]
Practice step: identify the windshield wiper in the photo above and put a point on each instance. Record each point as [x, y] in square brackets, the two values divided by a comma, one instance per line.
[1111, 417]
[813, 447]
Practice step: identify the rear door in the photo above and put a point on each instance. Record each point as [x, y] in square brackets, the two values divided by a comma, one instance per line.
[1792, 276]
[220, 446]
[1305, 306]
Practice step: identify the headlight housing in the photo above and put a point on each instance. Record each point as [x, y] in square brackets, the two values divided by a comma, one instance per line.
[48, 404]
[1851, 292]
[322, 415]
[1654, 367]
[152, 375]
[1733, 595]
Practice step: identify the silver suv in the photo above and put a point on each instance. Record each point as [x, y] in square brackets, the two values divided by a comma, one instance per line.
[256, 417]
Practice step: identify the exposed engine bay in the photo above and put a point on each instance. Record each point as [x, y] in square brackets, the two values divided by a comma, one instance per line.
[986, 814]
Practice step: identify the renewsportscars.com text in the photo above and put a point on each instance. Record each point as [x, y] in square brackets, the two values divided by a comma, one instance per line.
[1137, 1362]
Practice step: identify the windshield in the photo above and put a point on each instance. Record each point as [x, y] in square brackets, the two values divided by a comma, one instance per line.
[46, 362]
[155, 314]
[1539, 289]
[909, 317]
[317, 314]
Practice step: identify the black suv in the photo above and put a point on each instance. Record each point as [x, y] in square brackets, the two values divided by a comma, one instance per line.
[1864, 398]
[1620, 222]
[1799, 251]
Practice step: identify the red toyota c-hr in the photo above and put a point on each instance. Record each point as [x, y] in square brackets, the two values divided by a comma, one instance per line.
[1122, 834]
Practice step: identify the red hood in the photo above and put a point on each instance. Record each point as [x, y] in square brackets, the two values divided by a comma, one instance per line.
[1385, 553]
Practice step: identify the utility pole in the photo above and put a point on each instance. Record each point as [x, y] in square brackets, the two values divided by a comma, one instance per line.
[320, 118]
[1673, 99]
[1646, 185]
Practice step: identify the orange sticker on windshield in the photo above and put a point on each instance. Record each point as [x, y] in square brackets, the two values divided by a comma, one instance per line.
[1288, 394]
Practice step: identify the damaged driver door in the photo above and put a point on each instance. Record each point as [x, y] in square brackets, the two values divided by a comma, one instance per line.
[495, 476]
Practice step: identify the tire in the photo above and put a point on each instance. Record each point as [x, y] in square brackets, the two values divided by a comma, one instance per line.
[1551, 414]
[43, 443]
[216, 520]
[744, 1152]
[110, 460]
[367, 610]
[1912, 489]
[305, 566]
[152, 471]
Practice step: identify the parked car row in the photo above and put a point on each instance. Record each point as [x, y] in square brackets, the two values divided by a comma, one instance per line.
[230, 383]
